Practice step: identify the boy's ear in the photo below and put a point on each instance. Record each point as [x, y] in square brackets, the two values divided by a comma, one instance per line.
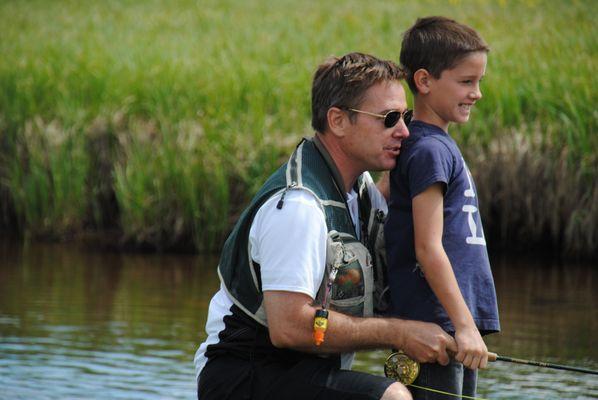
[422, 78]
[337, 121]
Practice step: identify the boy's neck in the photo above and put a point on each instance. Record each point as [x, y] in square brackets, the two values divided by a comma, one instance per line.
[423, 112]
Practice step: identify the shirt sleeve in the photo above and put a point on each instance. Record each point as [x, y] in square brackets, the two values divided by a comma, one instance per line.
[290, 243]
[430, 162]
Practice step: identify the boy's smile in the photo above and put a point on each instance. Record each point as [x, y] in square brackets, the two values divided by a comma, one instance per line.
[450, 98]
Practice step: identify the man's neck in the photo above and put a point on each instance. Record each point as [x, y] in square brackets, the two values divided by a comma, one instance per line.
[345, 166]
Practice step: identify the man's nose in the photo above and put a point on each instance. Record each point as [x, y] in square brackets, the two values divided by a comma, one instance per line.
[401, 130]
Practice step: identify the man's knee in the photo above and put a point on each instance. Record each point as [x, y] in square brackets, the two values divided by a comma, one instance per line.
[397, 391]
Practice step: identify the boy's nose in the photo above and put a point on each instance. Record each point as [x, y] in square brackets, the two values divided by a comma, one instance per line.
[476, 93]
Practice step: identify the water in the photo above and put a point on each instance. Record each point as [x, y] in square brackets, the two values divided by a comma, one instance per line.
[548, 313]
[81, 324]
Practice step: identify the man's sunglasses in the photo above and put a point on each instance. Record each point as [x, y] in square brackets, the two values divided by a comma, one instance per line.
[391, 118]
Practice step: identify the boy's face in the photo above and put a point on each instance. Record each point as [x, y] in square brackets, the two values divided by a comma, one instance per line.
[451, 97]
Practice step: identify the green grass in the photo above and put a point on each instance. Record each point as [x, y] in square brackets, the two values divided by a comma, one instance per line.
[47, 178]
[202, 99]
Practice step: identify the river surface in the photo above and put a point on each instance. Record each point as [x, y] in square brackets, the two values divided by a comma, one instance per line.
[81, 324]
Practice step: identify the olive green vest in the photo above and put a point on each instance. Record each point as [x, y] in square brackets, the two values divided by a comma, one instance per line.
[309, 168]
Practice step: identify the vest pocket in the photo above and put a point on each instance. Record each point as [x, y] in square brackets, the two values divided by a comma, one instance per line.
[349, 282]
[353, 306]
[350, 287]
[349, 262]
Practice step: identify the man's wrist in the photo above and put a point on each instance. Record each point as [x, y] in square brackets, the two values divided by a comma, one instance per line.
[398, 339]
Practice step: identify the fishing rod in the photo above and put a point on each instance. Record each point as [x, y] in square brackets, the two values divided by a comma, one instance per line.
[496, 357]
[400, 367]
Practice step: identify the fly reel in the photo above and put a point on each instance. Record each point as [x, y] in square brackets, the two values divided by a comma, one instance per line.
[400, 367]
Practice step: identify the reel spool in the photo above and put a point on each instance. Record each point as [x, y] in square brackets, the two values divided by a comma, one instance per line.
[400, 367]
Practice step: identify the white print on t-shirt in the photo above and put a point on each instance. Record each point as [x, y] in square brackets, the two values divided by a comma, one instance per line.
[470, 210]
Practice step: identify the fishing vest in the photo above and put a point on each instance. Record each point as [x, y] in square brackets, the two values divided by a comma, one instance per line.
[311, 168]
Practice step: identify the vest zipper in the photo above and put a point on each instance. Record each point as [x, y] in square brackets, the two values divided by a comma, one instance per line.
[378, 217]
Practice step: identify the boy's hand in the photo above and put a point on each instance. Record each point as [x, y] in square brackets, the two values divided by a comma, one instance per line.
[473, 352]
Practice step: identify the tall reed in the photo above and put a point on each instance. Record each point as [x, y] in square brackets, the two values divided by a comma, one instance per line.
[531, 195]
[171, 114]
[47, 177]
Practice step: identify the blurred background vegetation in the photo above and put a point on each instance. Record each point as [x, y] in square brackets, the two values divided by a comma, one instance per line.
[150, 124]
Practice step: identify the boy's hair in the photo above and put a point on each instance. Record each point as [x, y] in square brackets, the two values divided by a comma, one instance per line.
[342, 82]
[437, 44]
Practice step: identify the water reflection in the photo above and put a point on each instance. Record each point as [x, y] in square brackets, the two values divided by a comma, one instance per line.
[81, 324]
[88, 325]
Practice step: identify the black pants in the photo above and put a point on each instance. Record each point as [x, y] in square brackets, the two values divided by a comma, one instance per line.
[227, 377]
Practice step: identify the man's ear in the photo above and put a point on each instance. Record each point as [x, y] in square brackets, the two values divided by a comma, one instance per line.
[337, 121]
[422, 79]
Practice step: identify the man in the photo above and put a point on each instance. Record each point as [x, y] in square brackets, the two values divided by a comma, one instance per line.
[301, 246]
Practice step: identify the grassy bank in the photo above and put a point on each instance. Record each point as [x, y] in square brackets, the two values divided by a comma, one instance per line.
[158, 120]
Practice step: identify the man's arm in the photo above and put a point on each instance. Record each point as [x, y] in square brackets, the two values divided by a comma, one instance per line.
[428, 222]
[290, 322]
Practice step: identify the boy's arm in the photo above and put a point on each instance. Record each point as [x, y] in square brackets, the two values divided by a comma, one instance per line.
[428, 222]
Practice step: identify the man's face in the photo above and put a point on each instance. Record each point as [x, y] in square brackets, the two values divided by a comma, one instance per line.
[369, 144]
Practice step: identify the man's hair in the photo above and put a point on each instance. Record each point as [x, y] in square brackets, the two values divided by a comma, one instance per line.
[342, 82]
[437, 44]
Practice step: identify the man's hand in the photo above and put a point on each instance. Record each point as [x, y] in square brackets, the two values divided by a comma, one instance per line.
[473, 352]
[426, 342]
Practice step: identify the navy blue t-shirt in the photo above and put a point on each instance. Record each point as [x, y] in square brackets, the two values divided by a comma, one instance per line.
[427, 157]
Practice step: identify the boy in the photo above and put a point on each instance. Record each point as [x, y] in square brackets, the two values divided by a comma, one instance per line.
[438, 264]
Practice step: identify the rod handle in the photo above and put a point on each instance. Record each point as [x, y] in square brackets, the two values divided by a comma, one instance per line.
[492, 356]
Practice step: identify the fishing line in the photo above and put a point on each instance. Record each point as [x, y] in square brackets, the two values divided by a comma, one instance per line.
[400, 367]
[446, 393]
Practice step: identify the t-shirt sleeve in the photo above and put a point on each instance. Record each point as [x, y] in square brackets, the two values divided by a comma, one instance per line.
[429, 162]
[290, 243]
